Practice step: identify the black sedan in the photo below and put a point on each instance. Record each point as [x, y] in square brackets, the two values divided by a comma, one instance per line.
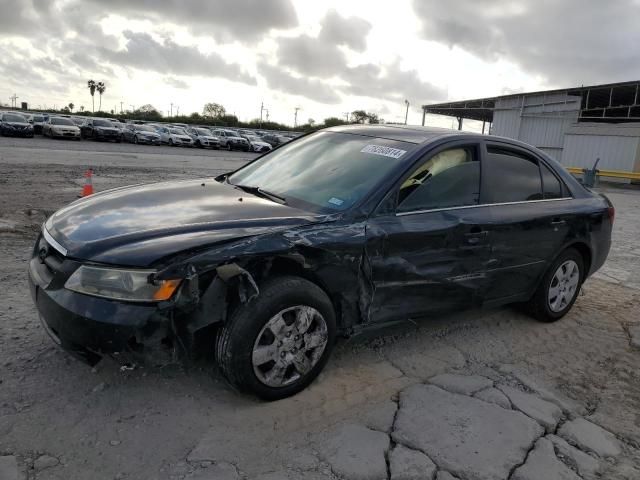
[338, 231]
[15, 125]
[100, 129]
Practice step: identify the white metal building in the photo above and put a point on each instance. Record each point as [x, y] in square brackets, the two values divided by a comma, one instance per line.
[575, 126]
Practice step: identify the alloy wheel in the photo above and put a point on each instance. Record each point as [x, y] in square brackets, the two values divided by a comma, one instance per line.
[289, 345]
[563, 286]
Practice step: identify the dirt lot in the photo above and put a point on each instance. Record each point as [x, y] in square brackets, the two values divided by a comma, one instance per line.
[60, 419]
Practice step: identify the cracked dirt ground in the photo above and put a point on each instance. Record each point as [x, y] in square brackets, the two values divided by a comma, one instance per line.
[482, 395]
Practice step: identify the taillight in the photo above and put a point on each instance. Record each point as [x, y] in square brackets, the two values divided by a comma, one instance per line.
[612, 213]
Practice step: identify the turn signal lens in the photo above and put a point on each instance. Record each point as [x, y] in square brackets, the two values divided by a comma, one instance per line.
[167, 287]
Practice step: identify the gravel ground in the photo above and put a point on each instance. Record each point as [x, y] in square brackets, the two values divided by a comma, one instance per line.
[378, 410]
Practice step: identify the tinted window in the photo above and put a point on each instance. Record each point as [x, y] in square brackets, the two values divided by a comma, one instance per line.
[510, 176]
[550, 183]
[448, 179]
[102, 123]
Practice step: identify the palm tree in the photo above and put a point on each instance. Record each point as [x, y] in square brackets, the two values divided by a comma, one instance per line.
[82, 108]
[92, 90]
[101, 87]
[71, 105]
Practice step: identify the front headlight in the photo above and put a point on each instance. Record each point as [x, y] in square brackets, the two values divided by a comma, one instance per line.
[119, 284]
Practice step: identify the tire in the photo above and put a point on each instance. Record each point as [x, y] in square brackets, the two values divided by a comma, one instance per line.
[541, 306]
[238, 338]
[171, 144]
[229, 146]
[135, 140]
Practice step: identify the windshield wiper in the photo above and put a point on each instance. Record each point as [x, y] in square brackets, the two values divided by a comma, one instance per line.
[262, 193]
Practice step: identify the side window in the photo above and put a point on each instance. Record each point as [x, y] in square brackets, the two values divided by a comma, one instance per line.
[448, 179]
[551, 186]
[510, 176]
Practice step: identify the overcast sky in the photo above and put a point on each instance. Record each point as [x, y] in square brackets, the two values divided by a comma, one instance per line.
[327, 57]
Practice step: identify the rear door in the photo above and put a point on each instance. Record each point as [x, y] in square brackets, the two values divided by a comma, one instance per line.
[430, 253]
[530, 219]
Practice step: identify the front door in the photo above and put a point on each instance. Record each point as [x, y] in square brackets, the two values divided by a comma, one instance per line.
[430, 253]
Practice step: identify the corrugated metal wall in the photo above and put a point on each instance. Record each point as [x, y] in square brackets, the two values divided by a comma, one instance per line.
[540, 119]
[617, 146]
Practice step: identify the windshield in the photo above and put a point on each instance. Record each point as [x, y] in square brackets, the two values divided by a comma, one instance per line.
[177, 131]
[38, 118]
[61, 121]
[326, 170]
[145, 128]
[102, 123]
[202, 131]
[10, 117]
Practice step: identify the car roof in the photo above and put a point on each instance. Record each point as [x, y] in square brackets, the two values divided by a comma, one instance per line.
[401, 133]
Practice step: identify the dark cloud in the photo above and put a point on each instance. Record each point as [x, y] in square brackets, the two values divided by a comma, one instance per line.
[310, 56]
[390, 83]
[143, 52]
[322, 57]
[351, 31]
[226, 20]
[313, 89]
[568, 42]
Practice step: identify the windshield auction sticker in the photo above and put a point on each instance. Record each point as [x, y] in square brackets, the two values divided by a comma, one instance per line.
[384, 151]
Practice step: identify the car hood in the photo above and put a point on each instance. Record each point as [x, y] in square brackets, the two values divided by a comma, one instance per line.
[142, 224]
[108, 129]
[17, 124]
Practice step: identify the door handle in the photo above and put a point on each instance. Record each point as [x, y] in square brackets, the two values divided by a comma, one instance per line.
[558, 221]
[474, 236]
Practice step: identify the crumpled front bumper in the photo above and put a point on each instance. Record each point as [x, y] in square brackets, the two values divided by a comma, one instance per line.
[88, 326]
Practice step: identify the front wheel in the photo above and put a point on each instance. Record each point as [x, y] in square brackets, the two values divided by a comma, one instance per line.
[559, 287]
[276, 345]
[135, 139]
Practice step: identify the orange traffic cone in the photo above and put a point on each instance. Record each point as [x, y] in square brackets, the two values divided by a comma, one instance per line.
[88, 184]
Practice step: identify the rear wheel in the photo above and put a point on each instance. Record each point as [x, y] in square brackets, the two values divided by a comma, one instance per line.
[135, 139]
[275, 345]
[559, 287]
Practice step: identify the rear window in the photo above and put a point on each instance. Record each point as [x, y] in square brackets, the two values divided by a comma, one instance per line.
[102, 123]
[551, 185]
[61, 121]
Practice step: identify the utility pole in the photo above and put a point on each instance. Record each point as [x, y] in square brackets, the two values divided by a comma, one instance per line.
[267, 110]
[406, 115]
[261, 109]
[177, 111]
[14, 101]
[346, 114]
[121, 107]
[295, 117]
[172, 109]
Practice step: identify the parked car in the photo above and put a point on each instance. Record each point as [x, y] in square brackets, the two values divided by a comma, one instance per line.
[174, 136]
[79, 121]
[203, 138]
[275, 140]
[230, 140]
[61, 127]
[256, 144]
[15, 125]
[38, 122]
[339, 231]
[140, 134]
[100, 129]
